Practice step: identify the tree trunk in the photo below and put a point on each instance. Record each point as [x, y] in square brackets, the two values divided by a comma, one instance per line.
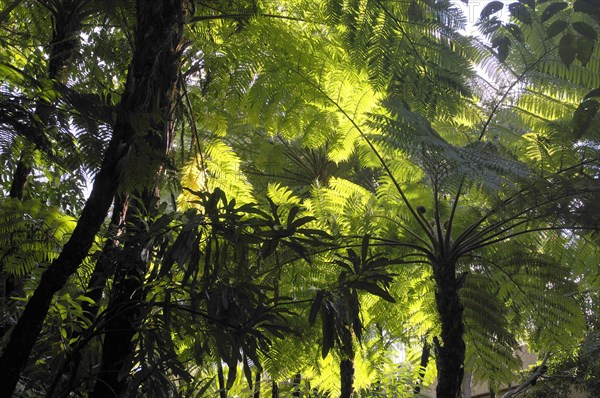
[124, 316]
[257, 384]
[104, 264]
[71, 362]
[423, 365]
[450, 352]
[221, 379]
[296, 385]
[149, 91]
[274, 389]
[347, 364]
[159, 42]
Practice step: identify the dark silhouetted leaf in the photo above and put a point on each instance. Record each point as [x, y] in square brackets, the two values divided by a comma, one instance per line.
[520, 13]
[555, 28]
[364, 251]
[315, 307]
[566, 49]
[583, 116]
[594, 93]
[585, 48]
[502, 45]
[491, 8]
[374, 289]
[586, 30]
[552, 10]
[415, 13]
[328, 333]
[587, 7]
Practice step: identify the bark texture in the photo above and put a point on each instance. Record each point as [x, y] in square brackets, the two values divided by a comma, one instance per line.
[155, 69]
[450, 351]
[149, 91]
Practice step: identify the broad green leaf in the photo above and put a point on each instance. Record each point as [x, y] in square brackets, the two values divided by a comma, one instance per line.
[585, 30]
[585, 48]
[552, 10]
[520, 13]
[566, 49]
[555, 28]
[587, 7]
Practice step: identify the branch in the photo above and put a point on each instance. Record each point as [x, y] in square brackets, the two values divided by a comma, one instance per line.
[508, 90]
[537, 372]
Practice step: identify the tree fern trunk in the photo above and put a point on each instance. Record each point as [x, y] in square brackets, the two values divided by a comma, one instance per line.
[450, 352]
[347, 364]
[274, 389]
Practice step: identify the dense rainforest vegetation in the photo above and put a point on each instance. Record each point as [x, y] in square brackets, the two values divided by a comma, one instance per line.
[314, 198]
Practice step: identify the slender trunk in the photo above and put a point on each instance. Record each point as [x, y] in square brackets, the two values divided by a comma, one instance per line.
[104, 265]
[296, 385]
[425, 354]
[21, 341]
[157, 60]
[257, 385]
[221, 379]
[124, 317]
[274, 389]
[70, 364]
[450, 351]
[347, 364]
[148, 91]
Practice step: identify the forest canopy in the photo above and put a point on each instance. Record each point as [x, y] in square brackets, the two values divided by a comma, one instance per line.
[354, 198]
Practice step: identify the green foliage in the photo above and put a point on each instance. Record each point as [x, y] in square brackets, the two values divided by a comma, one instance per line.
[327, 155]
[31, 235]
